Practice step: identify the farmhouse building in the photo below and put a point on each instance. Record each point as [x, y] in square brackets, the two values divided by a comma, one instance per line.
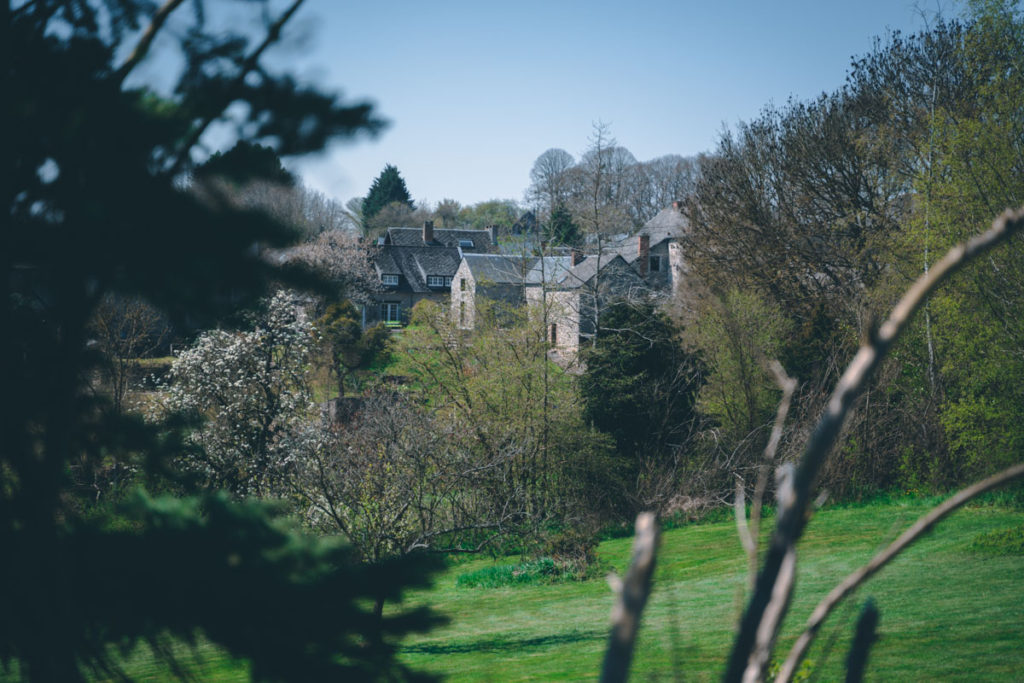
[414, 264]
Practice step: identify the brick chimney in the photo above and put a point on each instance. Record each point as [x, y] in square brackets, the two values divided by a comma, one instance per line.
[643, 256]
[577, 257]
[428, 232]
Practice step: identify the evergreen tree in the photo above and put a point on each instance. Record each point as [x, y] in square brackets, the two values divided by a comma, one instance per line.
[88, 573]
[562, 229]
[388, 187]
[244, 162]
[641, 387]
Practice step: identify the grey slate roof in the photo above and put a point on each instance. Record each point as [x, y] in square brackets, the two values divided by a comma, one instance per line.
[499, 269]
[414, 264]
[670, 223]
[550, 269]
[443, 237]
[563, 275]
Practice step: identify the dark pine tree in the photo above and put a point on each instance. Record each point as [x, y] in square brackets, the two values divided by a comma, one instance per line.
[388, 187]
[641, 384]
[244, 162]
[562, 229]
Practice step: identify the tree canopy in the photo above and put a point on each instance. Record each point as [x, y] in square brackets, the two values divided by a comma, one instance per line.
[94, 202]
[244, 162]
[387, 188]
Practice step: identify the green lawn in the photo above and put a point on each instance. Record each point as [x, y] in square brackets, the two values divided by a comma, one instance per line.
[947, 612]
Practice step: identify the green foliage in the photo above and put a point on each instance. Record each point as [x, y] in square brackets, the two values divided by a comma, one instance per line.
[387, 188]
[640, 385]
[513, 406]
[979, 321]
[736, 335]
[1000, 542]
[537, 572]
[351, 347]
[500, 212]
[561, 229]
[543, 570]
[91, 193]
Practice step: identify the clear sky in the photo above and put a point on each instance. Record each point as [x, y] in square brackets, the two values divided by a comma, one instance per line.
[477, 90]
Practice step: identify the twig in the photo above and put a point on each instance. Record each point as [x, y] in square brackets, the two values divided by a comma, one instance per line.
[632, 596]
[851, 582]
[790, 523]
[782, 591]
[788, 386]
[273, 33]
[142, 47]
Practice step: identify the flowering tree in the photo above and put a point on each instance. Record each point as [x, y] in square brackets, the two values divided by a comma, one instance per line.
[250, 389]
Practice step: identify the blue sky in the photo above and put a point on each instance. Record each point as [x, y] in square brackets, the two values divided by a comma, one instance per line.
[476, 90]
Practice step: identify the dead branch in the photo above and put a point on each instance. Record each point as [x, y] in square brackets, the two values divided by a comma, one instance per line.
[749, 534]
[142, 47]
[632, 596]
[792, 521]
[247, 66]
[782, 591]
[851, 582]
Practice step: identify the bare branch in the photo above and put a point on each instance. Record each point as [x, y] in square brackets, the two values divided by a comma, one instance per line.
[142, 47]
[851, 582]
[750, 534]
[740, 507]
[632, 597]
[791, 522]
[273, 33]
[782, 590]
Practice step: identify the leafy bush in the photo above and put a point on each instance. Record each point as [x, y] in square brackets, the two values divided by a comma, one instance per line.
[537, 572]
[1000, 542]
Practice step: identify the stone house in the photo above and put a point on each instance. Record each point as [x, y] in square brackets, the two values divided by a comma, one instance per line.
[570, 291]
[414, 264]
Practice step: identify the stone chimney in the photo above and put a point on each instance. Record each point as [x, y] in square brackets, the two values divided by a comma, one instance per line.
[577, 257]
[492, 230]
[428, 232]
[643, 254]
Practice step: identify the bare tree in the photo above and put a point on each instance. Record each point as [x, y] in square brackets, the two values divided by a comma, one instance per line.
[124, 330]
[447, 211]
[773, 588]
[549, 183]
[394, 481]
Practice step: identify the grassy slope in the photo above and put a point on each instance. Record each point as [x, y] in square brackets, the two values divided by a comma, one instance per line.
[947, 613]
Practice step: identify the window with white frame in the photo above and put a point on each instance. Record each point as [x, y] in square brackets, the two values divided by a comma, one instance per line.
[447, 281]
[390, 312]
[436, 281]
[389, 280]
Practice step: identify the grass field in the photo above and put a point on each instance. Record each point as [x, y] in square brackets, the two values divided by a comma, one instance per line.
[948, 610]
[948, 613]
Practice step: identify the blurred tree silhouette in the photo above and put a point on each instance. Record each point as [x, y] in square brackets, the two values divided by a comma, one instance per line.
[95, 203]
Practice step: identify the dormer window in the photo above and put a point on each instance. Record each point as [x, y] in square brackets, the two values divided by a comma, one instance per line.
[389, 280]
[437, 281]
[466, 244]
